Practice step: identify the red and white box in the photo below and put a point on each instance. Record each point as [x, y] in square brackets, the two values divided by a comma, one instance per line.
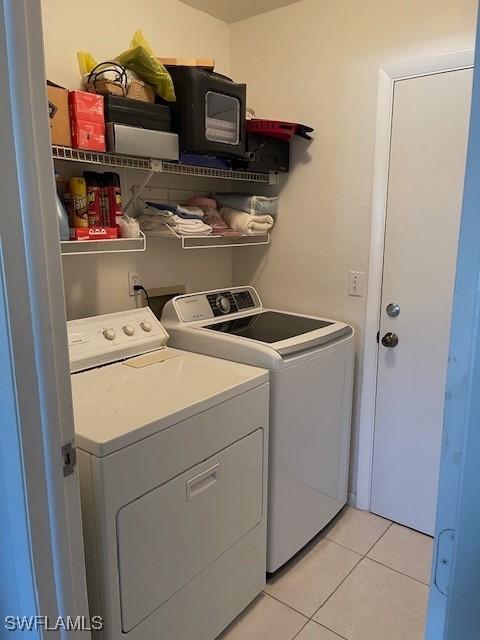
[93, 233]
[86, 106]
[87, 120]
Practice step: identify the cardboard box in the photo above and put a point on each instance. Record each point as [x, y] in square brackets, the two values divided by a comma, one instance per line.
[59, 115]
[134, 141]
[204, 63]
[94, 233]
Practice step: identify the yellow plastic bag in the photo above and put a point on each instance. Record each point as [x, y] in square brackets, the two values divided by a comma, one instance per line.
[141, 59]
[86, 62]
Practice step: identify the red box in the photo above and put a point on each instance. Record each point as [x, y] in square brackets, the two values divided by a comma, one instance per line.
[94, 233]
[86, 106]
[87, 120]
[88, 135]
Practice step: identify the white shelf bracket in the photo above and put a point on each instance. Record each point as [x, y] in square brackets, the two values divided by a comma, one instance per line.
[136, 191]
[156, 166]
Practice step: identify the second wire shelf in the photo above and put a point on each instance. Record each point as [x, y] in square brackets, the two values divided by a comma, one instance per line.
[211, 241]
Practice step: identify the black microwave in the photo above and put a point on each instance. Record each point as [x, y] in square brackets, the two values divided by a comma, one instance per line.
[209, 113]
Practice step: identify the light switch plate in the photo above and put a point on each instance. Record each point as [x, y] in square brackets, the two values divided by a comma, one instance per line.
[355, 283]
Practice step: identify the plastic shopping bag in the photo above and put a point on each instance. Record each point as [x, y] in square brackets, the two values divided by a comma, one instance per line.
[141, 59]
[86, 62]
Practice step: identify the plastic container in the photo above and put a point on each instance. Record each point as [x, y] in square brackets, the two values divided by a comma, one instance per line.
[254, 205]
[63, 225]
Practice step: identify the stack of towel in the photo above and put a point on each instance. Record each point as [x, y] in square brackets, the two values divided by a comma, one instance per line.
[184, 221]
[201, 217]
[212, 217]
[246, 223]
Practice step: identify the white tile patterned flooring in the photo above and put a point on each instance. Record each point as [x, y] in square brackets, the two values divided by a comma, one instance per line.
[364, 578]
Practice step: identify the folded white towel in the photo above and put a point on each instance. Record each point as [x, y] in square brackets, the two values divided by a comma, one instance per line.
[246, 223]
[189, 226]
[193, 231]
[179, 225]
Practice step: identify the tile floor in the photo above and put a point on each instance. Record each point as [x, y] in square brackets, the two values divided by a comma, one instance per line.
[363, 578]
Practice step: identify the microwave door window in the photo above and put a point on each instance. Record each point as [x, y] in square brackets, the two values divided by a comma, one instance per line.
[222, 118]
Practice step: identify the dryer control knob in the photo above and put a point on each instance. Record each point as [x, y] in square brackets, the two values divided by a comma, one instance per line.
[129, 330]
[223, 304]
[109, 334]
[146, 326]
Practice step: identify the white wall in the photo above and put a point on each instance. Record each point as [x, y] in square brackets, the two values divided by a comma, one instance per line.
[98, 284]
[317, 62]
[104, 28]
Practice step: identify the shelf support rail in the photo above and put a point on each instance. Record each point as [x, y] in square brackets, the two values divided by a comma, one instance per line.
[156, 166]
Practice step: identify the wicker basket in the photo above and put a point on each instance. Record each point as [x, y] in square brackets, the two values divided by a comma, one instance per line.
[106, 87]
[138, 90]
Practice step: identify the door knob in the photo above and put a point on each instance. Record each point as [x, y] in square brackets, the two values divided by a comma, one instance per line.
[390, 339]
[393, 310]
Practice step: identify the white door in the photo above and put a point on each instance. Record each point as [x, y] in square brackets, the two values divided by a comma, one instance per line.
[427, 166]
[41, 529]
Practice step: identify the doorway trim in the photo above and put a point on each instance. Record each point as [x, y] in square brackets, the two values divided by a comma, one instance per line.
[388, 76]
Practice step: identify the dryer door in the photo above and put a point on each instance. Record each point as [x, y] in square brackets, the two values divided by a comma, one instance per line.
[168, 536]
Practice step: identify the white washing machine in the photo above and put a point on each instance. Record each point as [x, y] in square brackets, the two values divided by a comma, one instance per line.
[172, 451]
[311, 375]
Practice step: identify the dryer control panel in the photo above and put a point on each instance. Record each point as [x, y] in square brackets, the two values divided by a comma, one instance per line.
[107, 338]
[213, 304]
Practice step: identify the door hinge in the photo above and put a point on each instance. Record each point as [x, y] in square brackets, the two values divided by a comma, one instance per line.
[69, 457]
[443, 560]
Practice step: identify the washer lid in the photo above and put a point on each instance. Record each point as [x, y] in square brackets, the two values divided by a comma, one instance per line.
[285, 332]
[119, 404]
[270, 326]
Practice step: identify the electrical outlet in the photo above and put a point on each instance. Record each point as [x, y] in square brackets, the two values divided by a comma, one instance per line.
[355, 283]
[133, 279]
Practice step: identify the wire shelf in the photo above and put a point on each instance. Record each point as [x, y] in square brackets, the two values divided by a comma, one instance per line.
[211, 241]
[225, 174]
[108, 159]
[119, 245]
[159, 166]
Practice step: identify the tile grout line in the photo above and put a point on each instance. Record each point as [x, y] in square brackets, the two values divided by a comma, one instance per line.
[300, 630]
[390, 524]
[336, 588]
[320, 624]
[339, 544]
[287, 605]
[362, 557]
[388, 566]
[405, 575]
[380, 538]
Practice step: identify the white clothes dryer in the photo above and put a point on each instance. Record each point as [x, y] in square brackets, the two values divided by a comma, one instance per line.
[173, 472]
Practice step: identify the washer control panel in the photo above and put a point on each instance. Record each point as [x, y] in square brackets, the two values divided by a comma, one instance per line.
[103, 339]
[214, 304]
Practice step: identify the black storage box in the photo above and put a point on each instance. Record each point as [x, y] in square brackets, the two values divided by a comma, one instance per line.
[137, 113]
[265, 154]
[209, 113]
